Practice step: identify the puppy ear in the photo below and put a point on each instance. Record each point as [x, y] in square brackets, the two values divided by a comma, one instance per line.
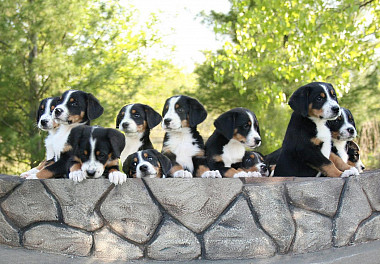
[225, 124]
[299, 101]
[152, 117]
[38, 111]
[76, 135]
[94, 109]
[117, 141]
[119, 118]
[197, 112]
[165, 162]
[127, 166]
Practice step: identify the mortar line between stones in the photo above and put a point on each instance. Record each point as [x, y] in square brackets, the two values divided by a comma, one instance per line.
[290, 206]
[363, 222]
[338, 211]
[13, 225]
[99, 203]
[56, 201]
[6, 195]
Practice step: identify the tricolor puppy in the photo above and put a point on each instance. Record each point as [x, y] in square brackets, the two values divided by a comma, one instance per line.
[45, 122]
[307, 144]
[96, 152]
[236, 130]
[147, 164]
[353, 152]
[136, 121]
[254, 162]
[183, 144]
[73, 109]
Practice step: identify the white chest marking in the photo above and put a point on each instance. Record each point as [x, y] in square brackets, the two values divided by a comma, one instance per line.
[132, 145]
[233, 152]
[341, 147]
[323, 134]
[59, 139]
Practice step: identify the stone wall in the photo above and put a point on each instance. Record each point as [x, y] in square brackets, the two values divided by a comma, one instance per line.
[184, 219]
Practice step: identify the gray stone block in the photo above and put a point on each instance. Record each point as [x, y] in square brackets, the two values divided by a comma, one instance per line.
[58, 239]
[236, 236]
[370, 182]
[353, 210]
[30, 203]
[196, 203]
[369, 230]
[7, 183]
[111, 246]
[174, 242]
[314, 231]
[131, 212]
[78, 201]
[320, 195]
[8, 234]
[272, 210]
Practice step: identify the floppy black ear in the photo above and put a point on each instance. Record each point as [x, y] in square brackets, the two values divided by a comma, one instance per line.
[75, 136]
[299, 101]
[127, 166]
[152, 117]
[225, 124]
[94, 109]
[165, 162]
[38, 112]
[197, 112]
[117, 141]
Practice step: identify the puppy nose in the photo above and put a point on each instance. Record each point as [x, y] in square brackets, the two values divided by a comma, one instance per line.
[335, 109]
[143, 168]
[44, 122]
[257, 141]
[363, 168]
[167, 121]
[351, 130]
[90, 173]
[58, 111]
[125, 125]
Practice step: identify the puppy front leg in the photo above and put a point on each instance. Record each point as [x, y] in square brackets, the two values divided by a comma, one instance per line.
[202, 169]
[114, 175]
[76, 174]
[341, 165]
[177, 170]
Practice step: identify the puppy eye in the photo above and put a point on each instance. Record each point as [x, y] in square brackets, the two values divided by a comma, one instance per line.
[179, 110]
[319, 98]
[149, 158]
[136, 115]
[74, 103]
[247, 126]
[134, 164]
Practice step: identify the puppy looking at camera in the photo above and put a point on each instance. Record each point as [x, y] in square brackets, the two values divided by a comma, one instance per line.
[183, 144]
[136, 121]
[306, 147]
[235, 130]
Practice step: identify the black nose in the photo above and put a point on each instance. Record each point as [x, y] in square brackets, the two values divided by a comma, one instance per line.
[351, 130]
[44, 122]
[167, 121]
[58, 111]
[91, 173]
[257, 141]
[143, 168]
[363, 168]
[125, 125]
[335, 109]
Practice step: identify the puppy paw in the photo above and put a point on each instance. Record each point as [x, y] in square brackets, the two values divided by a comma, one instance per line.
[211, 174]
[182, 174]
[28, 173]
[254, 174]
[32, 176]
[117, 177]
[77, 176]
[242, 174]
[350, 172]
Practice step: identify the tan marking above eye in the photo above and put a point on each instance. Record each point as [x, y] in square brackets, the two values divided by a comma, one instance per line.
[339, 118]
[323, 95]
[135, 159]
[52, 108]
[71, 99]
[85, 152]
[167, 107]
[176, 106]
[42, 107]
[252, 156]
[145, 155]
[122, 113]
[261, 158]
[249, 123]
[332, 92]
[97, 153]
[133, 111]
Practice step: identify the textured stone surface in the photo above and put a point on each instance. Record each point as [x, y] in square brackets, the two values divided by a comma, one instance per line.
[321, 195]
[8, 234]
[78, 201]
[196, 203]
[7, 183]
[273, 213]
[371, 183]
[314, 231]
[30, 203]
[174, 242]
[369, 230]
[111, 246]
[58, 239]
[353, 210]
[131, 212]
[236, 236]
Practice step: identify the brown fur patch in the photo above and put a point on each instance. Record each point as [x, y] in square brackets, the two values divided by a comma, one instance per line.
[176, 168]
[315, 112]
[338, 162]
[76, 118]
[335, 134]
[45, 174]
[202, 169]
[230, 173]
[85, 152]
[145, 155]
[350, 163]
[330, 170]
[185, 123]
[141, 128]
[332, 92]
[217, 158]
[97, 153]
[323, 95]
[316, 141]
[41, 165]
[42, 107]
[176, 106]
[76, 167]
[239, 137]
[133, 111]
[71, 100]
[67, 148]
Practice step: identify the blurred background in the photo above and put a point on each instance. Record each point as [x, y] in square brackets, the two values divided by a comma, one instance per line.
[246, 53]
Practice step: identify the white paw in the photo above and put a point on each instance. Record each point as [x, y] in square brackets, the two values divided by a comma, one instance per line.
[117, 177]
[255, 174]
[241, 174]
[182, 174]
[77, 176]
[354, 171]
[211, 174]
[32, 176]
[29, 172]
[351, 172]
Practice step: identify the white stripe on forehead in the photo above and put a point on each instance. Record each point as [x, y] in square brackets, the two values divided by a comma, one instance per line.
[47, 106]
[127, 113]
[326, 91]
[92, 144]
[345, 118]
[68, 95]
[250, 118]
[172, 102]
[139, 156]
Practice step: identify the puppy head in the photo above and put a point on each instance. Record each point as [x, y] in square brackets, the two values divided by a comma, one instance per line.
[254, 161]
[136, 118]
[353, 152]
[182, 111]
[45, 120]
[316, 100]
[96, 148]
[147, 164]
[240, 124]
[343, 128]
[77, 107]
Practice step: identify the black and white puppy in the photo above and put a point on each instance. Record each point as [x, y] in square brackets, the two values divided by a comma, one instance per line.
[183, 144]
[45, 122]
[136, 121]
[236, 130]
[73, 109]
[147, 164]
[306, 147]
[96, 152]
[353, 152]
[254, 162]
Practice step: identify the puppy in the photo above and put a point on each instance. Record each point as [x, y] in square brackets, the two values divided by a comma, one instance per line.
[45, 122]
[183, 144]
[254, 162]
[271, 160]
[136, 121]
[235, 130]
[73, 109]
[353, 152]
[96, 152]
[307, 144]
[147, 164]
